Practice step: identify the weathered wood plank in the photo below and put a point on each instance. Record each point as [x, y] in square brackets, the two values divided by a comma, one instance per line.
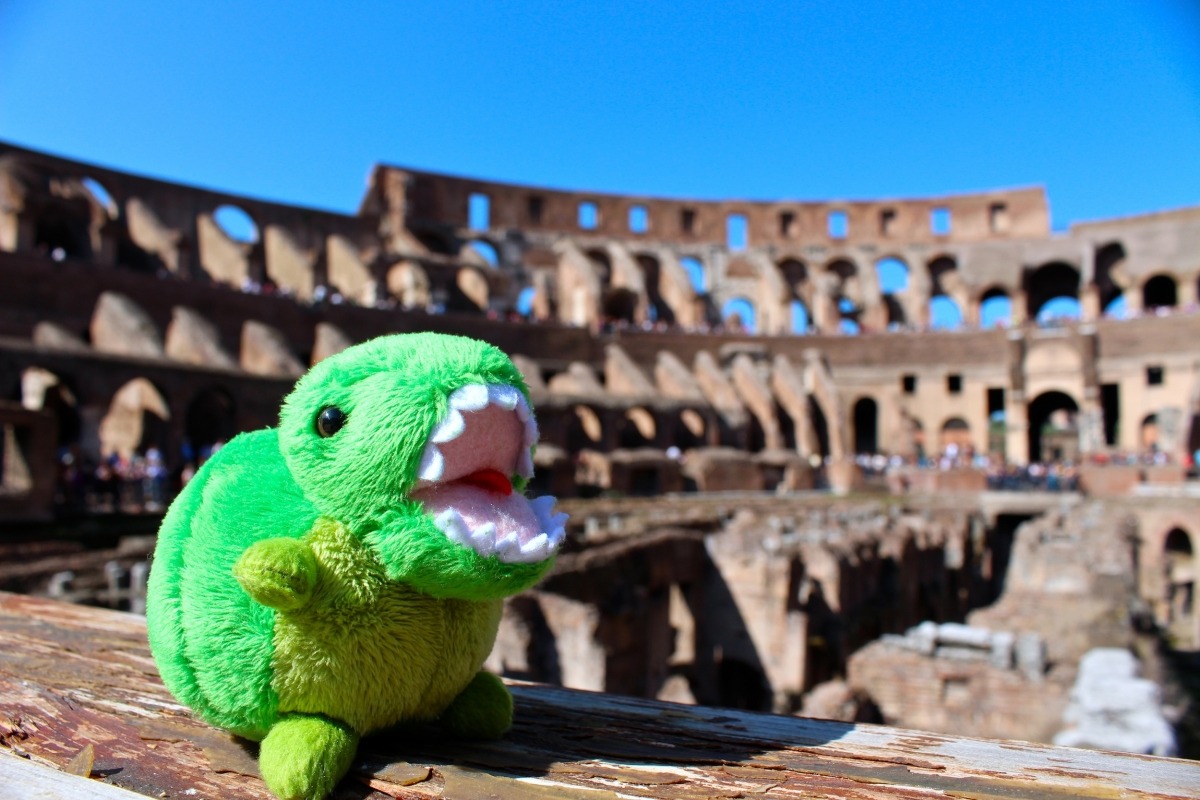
[71, 676]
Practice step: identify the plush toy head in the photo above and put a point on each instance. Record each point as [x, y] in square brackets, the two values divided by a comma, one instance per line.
[343, 573]
[442, 422]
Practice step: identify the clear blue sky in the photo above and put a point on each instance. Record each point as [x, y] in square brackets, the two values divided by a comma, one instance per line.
[1099, 101]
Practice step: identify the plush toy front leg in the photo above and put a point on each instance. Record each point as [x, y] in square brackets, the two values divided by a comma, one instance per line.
[483, 710]
[278, 573]
[304, 756]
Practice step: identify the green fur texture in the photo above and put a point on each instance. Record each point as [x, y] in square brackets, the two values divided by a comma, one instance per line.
[297, 594]
[303, 757]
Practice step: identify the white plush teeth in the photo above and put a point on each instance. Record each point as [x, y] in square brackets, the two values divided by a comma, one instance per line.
[483, 539]
[504, 396]
[452, 524]
[508, 549]
[432, 464]
[525, 465]
[449, 428]
[472, 397]
[536, 548]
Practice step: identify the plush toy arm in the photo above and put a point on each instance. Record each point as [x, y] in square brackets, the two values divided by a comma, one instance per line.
[278, 573]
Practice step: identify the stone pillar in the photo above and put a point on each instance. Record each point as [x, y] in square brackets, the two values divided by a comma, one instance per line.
[1020, 308]
[972, 312]
[1016, 428]
[1185, 292]
[1089, 303]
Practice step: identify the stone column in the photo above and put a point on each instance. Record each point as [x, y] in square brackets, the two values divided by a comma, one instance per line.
[1089, 303]
[1020, 308]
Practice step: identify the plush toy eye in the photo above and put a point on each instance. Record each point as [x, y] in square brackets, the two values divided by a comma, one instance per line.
[330, 421]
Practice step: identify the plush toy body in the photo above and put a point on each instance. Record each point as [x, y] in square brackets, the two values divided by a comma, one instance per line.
[345, 572]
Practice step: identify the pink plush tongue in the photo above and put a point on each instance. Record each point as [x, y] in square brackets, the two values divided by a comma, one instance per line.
[490, 480]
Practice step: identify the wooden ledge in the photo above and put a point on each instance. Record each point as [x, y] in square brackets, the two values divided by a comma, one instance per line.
[73, 676]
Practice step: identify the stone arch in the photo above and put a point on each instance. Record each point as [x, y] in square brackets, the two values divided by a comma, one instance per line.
[480, 252]
[696, 273]
[1053, 427]
[137, 419]
[408, 284]
[995, 308]
[62, 228]
[636, 428]
[846, 295]
[1179, 595]
[1110, 278]
[1055, 281]
[1160, 291]
[584, 429]
[43, 389]
[210, 420]
[739, 315]
[658, 309]
[691, 430]
[947, 294]
[955, 434]
[893, 275]
[1148, 433]
[469, 292]
[866, 426]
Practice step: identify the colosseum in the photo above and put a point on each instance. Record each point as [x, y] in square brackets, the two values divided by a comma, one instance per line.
[782, 423]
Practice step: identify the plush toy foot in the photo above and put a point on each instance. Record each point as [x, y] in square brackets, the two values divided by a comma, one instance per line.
[304, 756]
[483, 710]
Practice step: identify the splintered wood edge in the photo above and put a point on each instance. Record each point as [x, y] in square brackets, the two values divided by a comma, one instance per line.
[21, 779]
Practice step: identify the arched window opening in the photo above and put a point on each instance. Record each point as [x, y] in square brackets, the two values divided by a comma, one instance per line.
[525, 301]
[892, 274]
[695, 271]
[589, 216]
[61, 230]
[481, 253]
[652, 277]
[1053, 427]
[42, 389]
[739, 316]
[801, 321]
[944, 314]
[602, 265]
[637, 429]
[737, 236]
[101, 196]
[479, 211]
[1059, 310]
[691, 430]
[469, 293]
[619, 305]
[1118, 308]
[583, 429]
[236, 224]
[137, 419]
[1056, 282]
[1159, 292]
[955, 440]
[996, 309]
[1110, 275]
[820, 427]
[1148, 433]
[1179, 566]
[866, 426]
[210, 421]
[848, 314]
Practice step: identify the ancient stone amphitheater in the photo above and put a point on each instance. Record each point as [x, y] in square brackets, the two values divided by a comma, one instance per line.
[672, 346]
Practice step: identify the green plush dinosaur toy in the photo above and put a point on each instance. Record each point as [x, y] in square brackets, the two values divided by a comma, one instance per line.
[345, 572]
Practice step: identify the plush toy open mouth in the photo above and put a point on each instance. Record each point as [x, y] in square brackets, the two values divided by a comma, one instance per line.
[465, 477]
